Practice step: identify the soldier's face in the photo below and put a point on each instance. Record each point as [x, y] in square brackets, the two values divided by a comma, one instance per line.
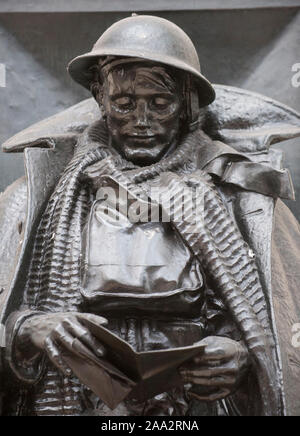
[143, 105]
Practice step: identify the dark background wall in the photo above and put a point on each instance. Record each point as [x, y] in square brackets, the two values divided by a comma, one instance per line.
[254, 48]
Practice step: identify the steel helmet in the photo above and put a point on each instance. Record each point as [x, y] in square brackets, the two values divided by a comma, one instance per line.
[150, 38]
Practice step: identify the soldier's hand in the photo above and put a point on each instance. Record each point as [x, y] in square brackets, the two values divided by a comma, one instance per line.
[218, 371]
[51, 331]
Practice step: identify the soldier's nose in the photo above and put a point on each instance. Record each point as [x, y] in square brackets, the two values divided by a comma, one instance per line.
[142, 119]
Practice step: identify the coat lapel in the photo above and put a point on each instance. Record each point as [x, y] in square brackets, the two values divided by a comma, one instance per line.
[43, 170]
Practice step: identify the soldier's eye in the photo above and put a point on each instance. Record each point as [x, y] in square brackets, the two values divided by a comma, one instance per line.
[161, 102]
[124, 102]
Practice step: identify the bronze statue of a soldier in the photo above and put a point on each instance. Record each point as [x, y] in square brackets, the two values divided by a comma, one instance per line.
[228, 283]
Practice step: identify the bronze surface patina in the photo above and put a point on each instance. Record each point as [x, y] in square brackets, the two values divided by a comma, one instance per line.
[110, 308]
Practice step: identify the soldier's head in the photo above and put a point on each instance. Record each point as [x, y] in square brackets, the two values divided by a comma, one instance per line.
[144, 73]
[143, 104]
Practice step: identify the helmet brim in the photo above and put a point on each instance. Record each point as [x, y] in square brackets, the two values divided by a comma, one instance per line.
[79, 67]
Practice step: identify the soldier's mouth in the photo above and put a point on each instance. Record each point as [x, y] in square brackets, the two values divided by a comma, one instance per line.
[142, 137]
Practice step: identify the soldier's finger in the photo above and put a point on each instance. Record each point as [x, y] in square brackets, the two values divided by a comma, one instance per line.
[209, 381]
[80, 332]
[209, 371]
[212, 354]
[54, 355]
[100, 320]
[216, 396]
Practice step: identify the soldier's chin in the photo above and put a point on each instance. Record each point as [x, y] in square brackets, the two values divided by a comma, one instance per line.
[143, 155]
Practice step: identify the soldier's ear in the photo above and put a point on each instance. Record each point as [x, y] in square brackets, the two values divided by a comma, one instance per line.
[192, 103]
[100, 100]
[96, 85]
[96, 89]
[97, 92]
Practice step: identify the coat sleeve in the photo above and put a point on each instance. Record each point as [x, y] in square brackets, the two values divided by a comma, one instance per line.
[286, 299]
[13, 204]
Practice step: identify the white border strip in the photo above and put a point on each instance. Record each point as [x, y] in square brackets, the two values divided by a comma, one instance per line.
[2, 76]
[11, 6]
